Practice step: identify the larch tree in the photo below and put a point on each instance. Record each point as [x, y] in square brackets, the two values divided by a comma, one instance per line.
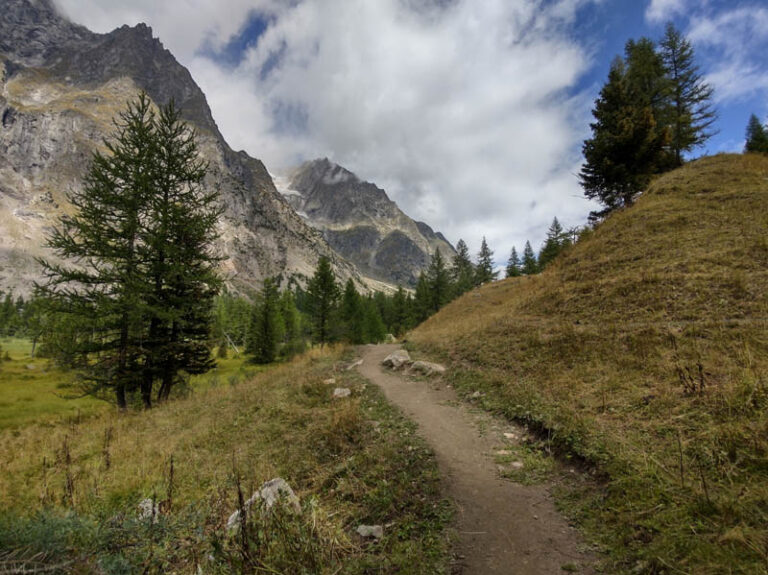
[691, 114]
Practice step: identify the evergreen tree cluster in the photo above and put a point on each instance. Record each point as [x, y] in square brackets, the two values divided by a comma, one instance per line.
[556, 241]
[137, 290]
[654, 108]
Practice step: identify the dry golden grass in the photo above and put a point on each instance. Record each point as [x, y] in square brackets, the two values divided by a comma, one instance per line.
[282, 422]
[644, 350]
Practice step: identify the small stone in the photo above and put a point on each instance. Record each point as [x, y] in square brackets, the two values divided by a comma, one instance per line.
[354, 364]
[517, 465]
[511, 436]
[367, 531]
[270, 492]
[148, 509]
[476, 395]
[330, 381]
[31, 366]
[427, 368]
[341, 392]
[504, 452]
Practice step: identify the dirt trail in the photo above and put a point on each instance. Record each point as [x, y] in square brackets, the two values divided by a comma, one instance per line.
[503, 527]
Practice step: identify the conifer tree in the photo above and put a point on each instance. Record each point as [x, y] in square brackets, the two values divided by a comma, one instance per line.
[104, 233]
[626, 147]
[484, 270]
[374, 328]
[322, 296]
[757, 136]
[690, 111]
[463, 271]
[266, 325]
[179, 231]
[530, 265]
[400, 312]
[555, 242]
[352, 314]
[143, 228]
[422, 300]
[439, 281]
[291, 319]
[513, 264]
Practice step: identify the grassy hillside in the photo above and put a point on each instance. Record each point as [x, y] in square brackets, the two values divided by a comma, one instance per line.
[644, 351]
[69, 491]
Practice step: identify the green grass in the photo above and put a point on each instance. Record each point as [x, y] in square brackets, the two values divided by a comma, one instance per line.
[70, 490]
[642, 353]
[31, 391]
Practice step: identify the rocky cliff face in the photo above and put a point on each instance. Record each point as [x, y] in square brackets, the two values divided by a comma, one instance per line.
[361, 223]
[60, 87]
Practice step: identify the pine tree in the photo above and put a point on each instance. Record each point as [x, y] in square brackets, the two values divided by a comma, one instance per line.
[322, 295]
[439, 281]
[374, 328]
[352, 314]
[422, 300]
[757, 136]
[556, 240]
[463, 271]
[626, 147]
[513, 264]
[530, 265]
[400, 313]
[484, 270]
[691, 114]
[266, 325]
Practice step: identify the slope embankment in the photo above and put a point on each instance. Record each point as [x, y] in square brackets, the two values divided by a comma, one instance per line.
[643, 351]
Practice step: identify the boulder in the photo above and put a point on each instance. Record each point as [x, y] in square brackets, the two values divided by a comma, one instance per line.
[427, 368]
[269, 493]
[370, 531]
[397, 359]
[341, 392]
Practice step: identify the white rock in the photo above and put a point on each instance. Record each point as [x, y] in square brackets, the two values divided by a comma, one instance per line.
[427, 368]
[270, 493]
[366, 531]
[512, 436]
[330, 381]
[148, 509]
[517, 465]
[340, 392]
[397, 359]
[354, 364]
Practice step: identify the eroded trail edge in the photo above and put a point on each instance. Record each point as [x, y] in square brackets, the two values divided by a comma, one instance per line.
[502, 527]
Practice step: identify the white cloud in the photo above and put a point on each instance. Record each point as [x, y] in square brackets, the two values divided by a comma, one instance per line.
[663, 10]
[458, 109]
[735, 42]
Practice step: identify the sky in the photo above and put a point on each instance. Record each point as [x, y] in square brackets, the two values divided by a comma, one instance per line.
[469, 113]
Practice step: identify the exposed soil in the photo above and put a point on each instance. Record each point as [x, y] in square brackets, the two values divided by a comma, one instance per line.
[502, 526]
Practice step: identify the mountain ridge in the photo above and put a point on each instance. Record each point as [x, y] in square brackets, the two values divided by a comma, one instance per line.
[361, 222]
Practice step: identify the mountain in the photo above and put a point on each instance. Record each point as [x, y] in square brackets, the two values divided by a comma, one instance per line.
[361, 223]
[60, 87]
[641, 352]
